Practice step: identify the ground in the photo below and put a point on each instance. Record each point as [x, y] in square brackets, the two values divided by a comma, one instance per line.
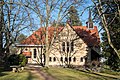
[53, 73]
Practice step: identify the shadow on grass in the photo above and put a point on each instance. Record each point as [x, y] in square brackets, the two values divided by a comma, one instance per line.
[67, 78]
[30, 76]
[105, 76]
[2, 72]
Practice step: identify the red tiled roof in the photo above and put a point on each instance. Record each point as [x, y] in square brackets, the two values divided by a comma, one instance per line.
[90, 36]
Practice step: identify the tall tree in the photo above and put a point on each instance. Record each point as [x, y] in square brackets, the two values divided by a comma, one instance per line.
[47, 11]
[13, 19]
[108, 14]
[102, 10]
[1, 29]
[74, 17]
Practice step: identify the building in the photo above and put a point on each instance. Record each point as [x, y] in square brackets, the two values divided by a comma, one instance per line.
[68, 45]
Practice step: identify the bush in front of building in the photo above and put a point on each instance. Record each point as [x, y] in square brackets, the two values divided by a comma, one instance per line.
[15, 59]
[22, 60]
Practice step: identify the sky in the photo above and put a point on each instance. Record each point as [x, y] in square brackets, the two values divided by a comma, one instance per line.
[83, 18]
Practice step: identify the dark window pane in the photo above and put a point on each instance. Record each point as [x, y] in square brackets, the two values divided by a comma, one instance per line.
[66, 59]
[74, 59]
[61, 59]
[67, 44]
[70, 59]
[67, 47]
[72, 46]
[54, 59]
[63, 46]
[35, 53]
[81, 59]
[50, 59]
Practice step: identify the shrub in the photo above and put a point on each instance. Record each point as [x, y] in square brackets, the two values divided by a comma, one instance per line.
[17, 60]
[13, 59]
[22, 60]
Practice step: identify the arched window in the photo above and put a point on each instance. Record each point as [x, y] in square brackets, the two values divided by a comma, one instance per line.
[74, 59]
[50, 58]
[35, 53]
[54, 59]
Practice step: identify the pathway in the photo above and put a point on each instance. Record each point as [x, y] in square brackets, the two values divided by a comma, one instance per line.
[36, 70]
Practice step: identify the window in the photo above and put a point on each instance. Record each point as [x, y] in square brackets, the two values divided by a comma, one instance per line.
[50, 58]
[66, 59]
[63, 46]
[70, 59]
[67, 47]
[35, 53]
[90, 25]
[54, 59]
[81, 59]
[26, 49]
[61, 59]
[74, 59]
[72, 46]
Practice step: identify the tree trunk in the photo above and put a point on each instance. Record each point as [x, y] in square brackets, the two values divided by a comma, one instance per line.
[1, 28]
[47, 43]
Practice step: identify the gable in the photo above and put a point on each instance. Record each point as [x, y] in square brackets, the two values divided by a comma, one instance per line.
[68, 34]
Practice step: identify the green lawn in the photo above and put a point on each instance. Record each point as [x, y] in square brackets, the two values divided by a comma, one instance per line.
[25, 75]
[58, 74]
[70, 74]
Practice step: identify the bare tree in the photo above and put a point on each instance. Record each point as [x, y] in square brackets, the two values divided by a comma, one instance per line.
[48, 11]
[44, 11]
[13, 19]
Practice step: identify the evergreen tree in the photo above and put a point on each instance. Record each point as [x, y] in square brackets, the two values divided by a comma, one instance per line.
[74, 17]
[113, 20]
[112, 60]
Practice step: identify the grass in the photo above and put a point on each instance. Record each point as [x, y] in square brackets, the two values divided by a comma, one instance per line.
[58, 74]
[70, 74]
[25, 75]
[111, 72]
